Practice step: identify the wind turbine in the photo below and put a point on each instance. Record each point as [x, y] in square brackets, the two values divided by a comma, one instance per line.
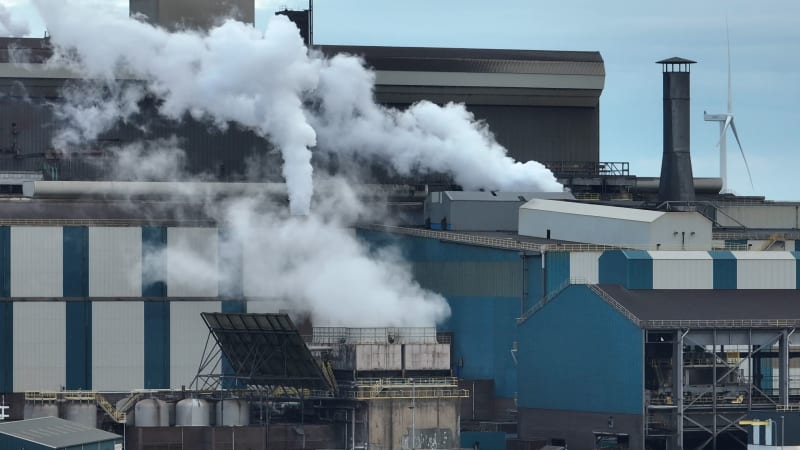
[726, 121]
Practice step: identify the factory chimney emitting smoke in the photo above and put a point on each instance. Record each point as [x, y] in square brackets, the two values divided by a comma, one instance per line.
[677, 181]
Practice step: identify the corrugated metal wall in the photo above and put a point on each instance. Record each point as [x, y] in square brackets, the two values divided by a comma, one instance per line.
[724, 270]
[117, 345]
[585, 266]
[630, 268]
[192, 262]
[597, 365]
[115, 262]
[187, 339]
[766, 270]
[37, 262]
[39, 348]
[482, 316]
[682, 270]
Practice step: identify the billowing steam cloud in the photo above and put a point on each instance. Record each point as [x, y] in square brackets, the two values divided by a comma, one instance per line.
[269, 83]
[12, 26]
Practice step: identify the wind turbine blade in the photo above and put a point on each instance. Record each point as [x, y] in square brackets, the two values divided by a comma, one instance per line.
[746, 166]
[730, 92]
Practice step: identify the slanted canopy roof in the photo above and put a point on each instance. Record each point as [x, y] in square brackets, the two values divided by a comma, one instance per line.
[265, 349]
[53, 432]
[718, 308]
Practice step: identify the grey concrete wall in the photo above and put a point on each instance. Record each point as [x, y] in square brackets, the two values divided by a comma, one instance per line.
[577, 427]
[435, 424]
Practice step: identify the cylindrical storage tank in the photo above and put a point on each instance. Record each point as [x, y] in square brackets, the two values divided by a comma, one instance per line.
[37, 410]
[82, 413]
[168, 409]
[193, 412]
[151, 413]
[233, 413]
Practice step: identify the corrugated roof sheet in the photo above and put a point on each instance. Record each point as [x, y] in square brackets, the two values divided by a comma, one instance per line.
[708, 305]
[586, 209]
[55, 433]
[680, 255]
[474, 60]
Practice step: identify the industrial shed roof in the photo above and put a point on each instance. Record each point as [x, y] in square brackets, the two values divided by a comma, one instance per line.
[728, 308]
[586, 209]
[434, 59]
[53, 432]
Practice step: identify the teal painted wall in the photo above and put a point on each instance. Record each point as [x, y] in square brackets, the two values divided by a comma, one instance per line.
[484, 332]
[630, 268]
[557, 268]
[6, 314]
[156, 313]
[79, 313]
[724, 269]
[577, 353]
[494, 440]
[483, 287]
[535, 285]
[11, 443]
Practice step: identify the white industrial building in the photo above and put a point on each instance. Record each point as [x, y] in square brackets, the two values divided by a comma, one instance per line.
[615, 226]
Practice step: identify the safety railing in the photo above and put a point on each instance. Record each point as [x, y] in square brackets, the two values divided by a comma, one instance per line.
[389, 383]
[392, 394]
[739, 323]
[615, 304]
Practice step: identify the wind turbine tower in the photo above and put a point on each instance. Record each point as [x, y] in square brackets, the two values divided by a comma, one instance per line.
[726, 121]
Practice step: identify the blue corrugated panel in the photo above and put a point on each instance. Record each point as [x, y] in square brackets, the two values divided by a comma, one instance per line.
[724, 269]
[490, 440]
[6, 314]
[79, 313]
[630, 268]
[156, 313]
[483, 327]
[578, 353]
[483, 335]
[557, 267]
[534, 281]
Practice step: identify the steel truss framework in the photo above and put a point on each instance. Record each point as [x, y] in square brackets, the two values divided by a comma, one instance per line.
[714, 411]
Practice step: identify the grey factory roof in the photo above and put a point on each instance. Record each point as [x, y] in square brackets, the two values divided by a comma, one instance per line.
[722, 308]
[475, 60]
[99, 212]
[53, 432]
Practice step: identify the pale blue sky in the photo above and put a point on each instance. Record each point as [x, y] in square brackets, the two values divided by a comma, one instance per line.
[765, 45]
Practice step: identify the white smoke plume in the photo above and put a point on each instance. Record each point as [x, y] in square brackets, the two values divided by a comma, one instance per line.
[269, 83]
[161, 159]
[12, 26]
[425, 136]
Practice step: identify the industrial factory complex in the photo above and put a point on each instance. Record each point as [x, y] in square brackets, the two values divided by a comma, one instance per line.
[622, 313]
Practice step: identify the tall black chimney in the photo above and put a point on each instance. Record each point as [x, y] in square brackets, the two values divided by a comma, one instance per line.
[677, 181]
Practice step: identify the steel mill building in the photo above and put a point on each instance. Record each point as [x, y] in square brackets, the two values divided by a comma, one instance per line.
[619, 315]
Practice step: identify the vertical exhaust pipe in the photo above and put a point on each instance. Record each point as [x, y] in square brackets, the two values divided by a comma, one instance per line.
[676, 182]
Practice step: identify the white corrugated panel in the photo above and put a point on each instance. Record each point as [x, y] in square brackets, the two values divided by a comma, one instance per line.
[117, 346]
[37, 261]
[765, 270]
[187, 339]
[192, 262]
[115, 262]
[584, 267]
[40, 361]
[379, 357]
[427, 356]
[682, 270]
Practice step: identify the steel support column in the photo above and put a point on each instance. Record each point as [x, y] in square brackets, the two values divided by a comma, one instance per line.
[678, 382]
